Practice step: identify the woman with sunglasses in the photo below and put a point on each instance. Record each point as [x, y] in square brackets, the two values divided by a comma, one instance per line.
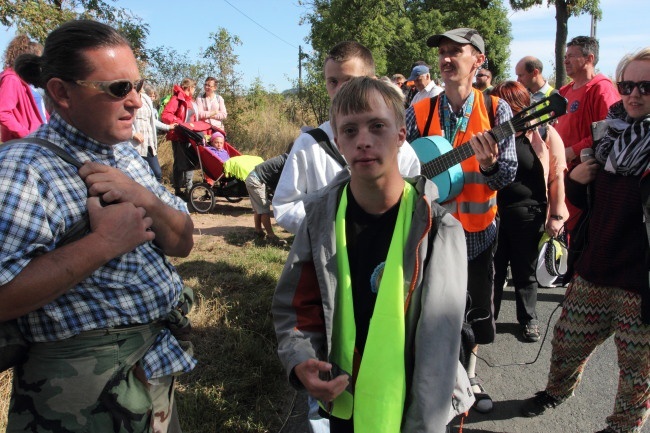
[609, 293]
[531, 204]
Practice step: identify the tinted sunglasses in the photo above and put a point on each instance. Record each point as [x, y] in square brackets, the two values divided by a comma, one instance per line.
[116, 88]
[482, 75]
[626, 88]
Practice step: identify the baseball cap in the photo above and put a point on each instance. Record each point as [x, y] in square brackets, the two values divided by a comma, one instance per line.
[462, 35]
[417, 71]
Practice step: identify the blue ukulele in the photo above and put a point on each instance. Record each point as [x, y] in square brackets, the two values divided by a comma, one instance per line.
[441, 161]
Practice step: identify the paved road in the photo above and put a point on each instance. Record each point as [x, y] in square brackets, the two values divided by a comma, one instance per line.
[510, 385]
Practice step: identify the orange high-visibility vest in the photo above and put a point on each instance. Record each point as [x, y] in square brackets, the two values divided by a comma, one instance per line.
[476, 206]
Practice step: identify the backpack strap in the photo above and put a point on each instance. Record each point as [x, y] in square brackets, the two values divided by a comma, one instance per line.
[324, 141]
[432, 108]
[79, 228]
[487, 98]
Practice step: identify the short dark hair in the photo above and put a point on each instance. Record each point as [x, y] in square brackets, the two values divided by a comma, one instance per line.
[587, 45]
[64, 52]
[533, 63]
[346, 50]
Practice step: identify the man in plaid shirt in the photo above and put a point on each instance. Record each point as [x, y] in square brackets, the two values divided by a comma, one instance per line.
[96, 309]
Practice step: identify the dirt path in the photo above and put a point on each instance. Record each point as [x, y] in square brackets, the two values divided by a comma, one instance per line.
[224, 218]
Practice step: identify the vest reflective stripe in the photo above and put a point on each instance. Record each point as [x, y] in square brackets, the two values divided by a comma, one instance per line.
[473, 218]
[474, 178]
[468, 207]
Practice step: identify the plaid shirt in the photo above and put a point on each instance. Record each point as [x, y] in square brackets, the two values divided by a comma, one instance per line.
[477, 242]
[42, 197]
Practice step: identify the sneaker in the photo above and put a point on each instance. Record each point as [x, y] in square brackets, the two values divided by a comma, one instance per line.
[531, 332]
[537, 405]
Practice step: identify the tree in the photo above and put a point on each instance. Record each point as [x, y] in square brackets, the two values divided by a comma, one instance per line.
[223, 61]
[38, 18]
[167, 67]
[564, 9]
[396, 30]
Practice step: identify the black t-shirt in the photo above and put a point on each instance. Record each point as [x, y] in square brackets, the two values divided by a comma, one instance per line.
[528, 188]
[368, 239]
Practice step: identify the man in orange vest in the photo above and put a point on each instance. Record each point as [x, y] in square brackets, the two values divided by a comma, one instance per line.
[462, 114]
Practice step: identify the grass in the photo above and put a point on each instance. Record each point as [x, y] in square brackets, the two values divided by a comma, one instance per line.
[239, 385]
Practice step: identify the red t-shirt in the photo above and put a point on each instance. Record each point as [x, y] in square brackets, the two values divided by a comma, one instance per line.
[587, 104]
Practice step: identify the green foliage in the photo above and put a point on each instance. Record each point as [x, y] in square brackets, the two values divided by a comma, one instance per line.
[223, 61]
[396, 30]
[37, 18]
[167, 67]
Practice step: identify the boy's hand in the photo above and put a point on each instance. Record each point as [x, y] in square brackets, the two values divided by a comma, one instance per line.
[308, 373]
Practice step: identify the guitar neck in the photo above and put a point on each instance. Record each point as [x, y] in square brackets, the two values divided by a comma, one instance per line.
[459, 154]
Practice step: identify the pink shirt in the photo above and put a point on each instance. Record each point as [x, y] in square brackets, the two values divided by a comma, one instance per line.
[19, 114]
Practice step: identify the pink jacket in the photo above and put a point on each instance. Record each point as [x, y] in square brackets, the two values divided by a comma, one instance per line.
[19, 114]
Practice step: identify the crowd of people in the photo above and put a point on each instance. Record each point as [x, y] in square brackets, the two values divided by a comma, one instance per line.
[383, 273]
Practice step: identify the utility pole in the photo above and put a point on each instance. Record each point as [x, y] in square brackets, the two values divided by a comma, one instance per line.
[299, 70]
[593, 26]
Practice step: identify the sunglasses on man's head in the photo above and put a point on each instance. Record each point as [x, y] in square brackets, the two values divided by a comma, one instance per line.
[626, 88]
[116, 88]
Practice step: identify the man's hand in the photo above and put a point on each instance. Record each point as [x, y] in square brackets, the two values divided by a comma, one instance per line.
[112, 185]
[585, 172]
[569, 154]
[327, 391]
[121, 226]
[485, 149]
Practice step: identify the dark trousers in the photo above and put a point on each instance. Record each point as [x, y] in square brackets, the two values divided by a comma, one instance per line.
[480, 288]
[182, 170]
[152, 160]
[519, 233]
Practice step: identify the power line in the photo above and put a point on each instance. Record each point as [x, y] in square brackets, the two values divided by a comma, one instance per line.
[261, 26]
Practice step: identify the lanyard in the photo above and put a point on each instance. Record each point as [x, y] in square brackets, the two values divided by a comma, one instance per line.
[461, 124]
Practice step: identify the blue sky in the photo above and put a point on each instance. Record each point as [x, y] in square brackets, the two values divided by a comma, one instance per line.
[271, 33]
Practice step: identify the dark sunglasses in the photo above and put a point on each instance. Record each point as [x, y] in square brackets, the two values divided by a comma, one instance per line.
[626, 88]
[482, 75]
[116, 88]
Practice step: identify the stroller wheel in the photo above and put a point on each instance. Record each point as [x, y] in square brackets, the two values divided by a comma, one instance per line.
[201, 198]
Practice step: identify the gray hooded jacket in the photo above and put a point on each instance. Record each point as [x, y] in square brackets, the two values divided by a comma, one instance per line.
[304, 302]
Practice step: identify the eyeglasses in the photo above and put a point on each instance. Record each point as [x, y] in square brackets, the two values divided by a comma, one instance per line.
[482, 75]
[626, 88]
[116, 88]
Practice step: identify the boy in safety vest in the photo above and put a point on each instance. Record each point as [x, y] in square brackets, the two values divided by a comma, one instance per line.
[369, 308]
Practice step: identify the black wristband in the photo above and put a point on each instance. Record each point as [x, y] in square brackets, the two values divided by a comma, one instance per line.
[490, 170]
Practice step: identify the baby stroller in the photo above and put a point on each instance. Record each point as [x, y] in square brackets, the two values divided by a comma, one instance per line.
[228, 183]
